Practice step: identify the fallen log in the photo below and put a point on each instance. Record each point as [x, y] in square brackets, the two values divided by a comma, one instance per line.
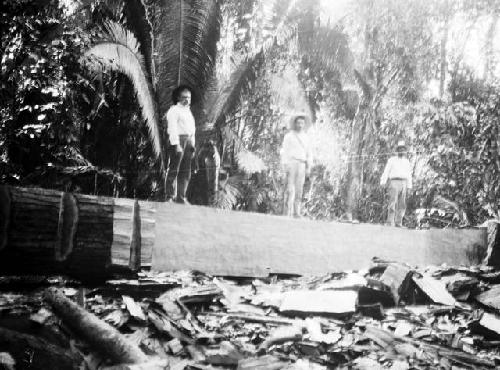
[52, 232]
[47, 231]
[229, 243]
[101, 336]
[31, 352]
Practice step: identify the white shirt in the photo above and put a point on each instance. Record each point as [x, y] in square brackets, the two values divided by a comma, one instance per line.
[180, 121]
[397, 167]
[296, 146]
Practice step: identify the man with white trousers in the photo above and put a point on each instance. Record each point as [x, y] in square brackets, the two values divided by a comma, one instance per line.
[296, 158]
[397, 174]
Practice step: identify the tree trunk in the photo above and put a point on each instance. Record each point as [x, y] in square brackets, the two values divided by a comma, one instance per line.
[488, 45]
[443, 52]
[355, 166]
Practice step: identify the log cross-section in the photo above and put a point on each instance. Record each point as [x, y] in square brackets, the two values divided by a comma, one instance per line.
[133, 233]
[4, 215]
[67, 226]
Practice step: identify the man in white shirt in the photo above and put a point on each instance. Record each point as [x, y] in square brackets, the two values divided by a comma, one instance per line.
[181, 132]
[397, 174]
[296, 158]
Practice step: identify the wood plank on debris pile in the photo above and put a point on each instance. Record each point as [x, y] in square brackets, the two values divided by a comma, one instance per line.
[490, 298]
[333, 302]
[222, 242]
[435, 290]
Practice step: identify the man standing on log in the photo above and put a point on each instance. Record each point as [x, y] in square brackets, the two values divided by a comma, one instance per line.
[181, 131]
[397, 173]
[296, 158]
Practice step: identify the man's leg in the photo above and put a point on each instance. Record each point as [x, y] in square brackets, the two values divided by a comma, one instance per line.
[401, 204]
[299, 187]
[172, 172]
[391, 207]
[185, 170]
[291, 173]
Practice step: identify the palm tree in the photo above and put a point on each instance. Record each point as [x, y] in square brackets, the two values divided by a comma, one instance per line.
[177, 45]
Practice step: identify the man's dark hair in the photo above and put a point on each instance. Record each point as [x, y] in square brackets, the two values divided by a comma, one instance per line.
[177, 92]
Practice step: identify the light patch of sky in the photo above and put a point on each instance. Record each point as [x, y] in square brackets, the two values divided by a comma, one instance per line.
[70, 6]
[466, 39]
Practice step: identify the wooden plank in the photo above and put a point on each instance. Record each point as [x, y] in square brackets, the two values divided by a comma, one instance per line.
[435, 290]
[234, 243]
[308, 302]
[491, 297]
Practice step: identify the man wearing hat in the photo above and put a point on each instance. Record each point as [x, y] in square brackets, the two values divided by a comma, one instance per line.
[181, 131]
[397, 174]
[296, 158]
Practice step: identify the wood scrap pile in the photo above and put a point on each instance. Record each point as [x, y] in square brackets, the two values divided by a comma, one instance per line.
[391, 316]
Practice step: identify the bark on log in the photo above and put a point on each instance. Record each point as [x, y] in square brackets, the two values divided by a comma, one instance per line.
[48, 231]
[53, 232]
[101, 336]
[34, 353]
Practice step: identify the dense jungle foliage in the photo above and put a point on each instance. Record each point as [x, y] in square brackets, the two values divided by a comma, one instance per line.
[85, 85]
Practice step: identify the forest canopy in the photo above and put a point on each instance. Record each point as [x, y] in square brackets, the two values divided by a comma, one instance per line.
[85, 84]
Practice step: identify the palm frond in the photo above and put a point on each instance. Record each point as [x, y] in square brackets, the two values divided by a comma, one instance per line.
[187, 32]
[248, 162]
[228, 195]
[120, 52]
[228, 96]
[329, 47]
[136, 18]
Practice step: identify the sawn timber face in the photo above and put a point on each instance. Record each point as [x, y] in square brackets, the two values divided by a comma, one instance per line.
[248, 244]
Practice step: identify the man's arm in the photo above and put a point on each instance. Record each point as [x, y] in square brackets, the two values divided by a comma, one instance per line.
[284, 152]
[309, 157]
[172, 118]
[385, 174]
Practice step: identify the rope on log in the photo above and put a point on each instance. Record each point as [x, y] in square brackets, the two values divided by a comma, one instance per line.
[101, 336]
[66, 227]
[5, 202]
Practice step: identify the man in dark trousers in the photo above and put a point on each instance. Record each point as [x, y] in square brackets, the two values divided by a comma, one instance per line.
[181, 132]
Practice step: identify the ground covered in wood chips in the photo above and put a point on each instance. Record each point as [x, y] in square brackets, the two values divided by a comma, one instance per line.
[391, 316]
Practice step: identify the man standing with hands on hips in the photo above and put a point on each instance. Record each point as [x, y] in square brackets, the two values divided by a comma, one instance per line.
[181, 132]
[397, 174]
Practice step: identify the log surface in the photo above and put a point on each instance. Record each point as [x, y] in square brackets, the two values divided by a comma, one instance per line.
[248, 244]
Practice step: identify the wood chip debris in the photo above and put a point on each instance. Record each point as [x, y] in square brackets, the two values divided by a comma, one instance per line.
[391, 316]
